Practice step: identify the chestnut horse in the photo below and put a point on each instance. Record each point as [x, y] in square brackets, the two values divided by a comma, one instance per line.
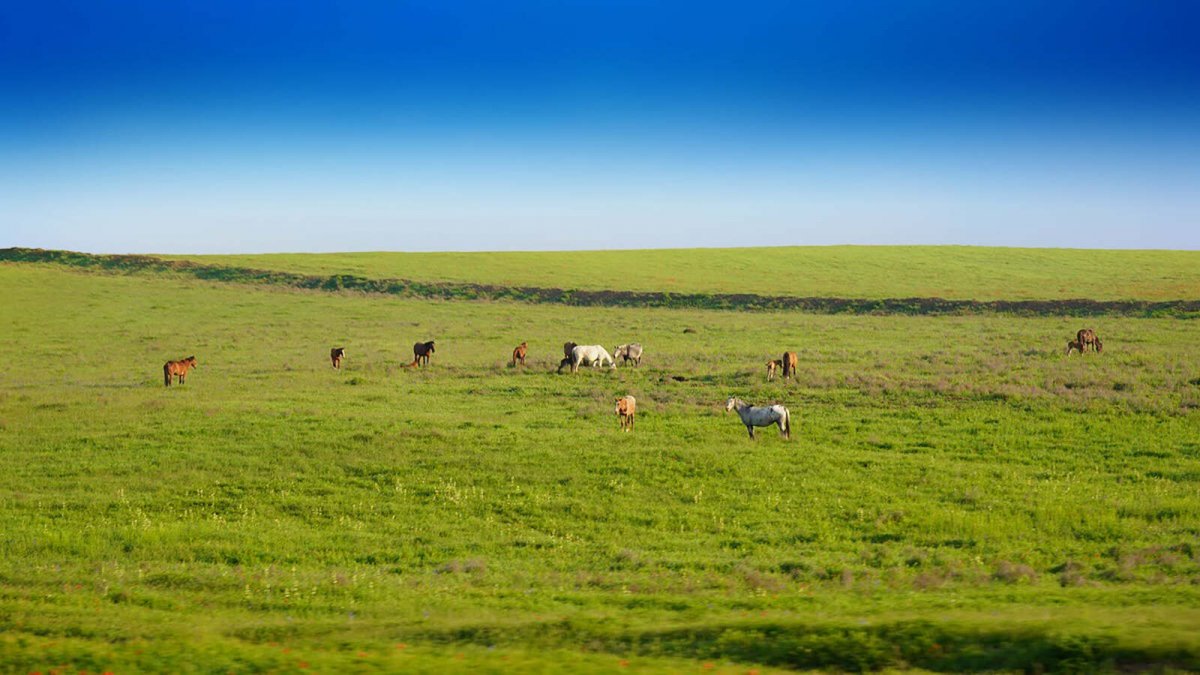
[772, 366]
[519, 354]
[421, 352]
[178, 368]
[1074, 346]
[789, 364]
[336, 355]
[627, 410]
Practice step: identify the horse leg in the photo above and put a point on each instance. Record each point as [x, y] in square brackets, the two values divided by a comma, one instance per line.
[750, 429]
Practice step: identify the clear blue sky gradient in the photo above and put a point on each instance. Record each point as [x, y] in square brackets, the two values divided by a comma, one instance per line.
[300, 126]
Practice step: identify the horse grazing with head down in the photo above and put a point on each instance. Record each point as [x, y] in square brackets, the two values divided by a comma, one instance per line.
[177, 369]
[336, 355]
[629, 352]
[421, 352]
[518, 355]
[590, 355]
[1087, 338]
[761, 416]
[627, 410]
[568, 348]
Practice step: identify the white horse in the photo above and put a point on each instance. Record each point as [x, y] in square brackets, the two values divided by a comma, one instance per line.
[629, 352]
[590, 355]
[761, 416]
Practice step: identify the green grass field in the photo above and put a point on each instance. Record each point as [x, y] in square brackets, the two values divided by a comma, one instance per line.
[951, 272]
[957, 495]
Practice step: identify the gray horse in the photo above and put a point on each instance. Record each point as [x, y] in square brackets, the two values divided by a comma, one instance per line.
[629, 352]
[761, 416]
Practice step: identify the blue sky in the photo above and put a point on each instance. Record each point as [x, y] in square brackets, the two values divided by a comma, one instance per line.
[282, 126]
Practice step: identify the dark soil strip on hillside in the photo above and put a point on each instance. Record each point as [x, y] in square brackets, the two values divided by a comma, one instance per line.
[584, 298]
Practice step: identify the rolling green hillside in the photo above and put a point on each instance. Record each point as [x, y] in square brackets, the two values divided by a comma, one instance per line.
[958, 495]
[951, 272]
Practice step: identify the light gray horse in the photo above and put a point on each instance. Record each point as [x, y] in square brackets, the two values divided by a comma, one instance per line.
[590, 355]
[761, 416]
[629, 352]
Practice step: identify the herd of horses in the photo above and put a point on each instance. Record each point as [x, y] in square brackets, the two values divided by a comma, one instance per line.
[596, 356]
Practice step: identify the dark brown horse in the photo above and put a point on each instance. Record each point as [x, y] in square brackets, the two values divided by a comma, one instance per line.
[336, 355]
[178, 368]
[421, 352]
[1074, 346]
[519, 354]
[789, 364]
[568, 349]
[1087, 337]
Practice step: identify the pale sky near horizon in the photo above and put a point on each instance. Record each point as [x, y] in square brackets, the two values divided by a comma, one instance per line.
[270, 126]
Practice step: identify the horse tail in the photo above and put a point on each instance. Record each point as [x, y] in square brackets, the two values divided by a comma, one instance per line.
[166, 374]
[787, 424]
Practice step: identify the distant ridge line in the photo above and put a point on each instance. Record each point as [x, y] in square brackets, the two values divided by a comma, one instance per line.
[605, 298]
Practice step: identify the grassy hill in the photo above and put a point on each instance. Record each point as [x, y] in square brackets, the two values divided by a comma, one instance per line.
[958, 495]
[951, 272]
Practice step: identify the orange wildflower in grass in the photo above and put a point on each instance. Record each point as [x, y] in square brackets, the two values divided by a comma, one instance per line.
[362, 655]
[401, 645]
[623, 663]
[752, 671]
[303, 665]
[707, 665]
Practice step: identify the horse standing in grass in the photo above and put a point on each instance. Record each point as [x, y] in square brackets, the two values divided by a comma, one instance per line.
[1087, 337]
[627, 410]
[761, 416]
[772, 366]
[629, 352]
[590, 355]
[178, 369]
[568, 348]
[336, 355]
[789, 364]
[1074, 346]
[421, 352]
[519, 353]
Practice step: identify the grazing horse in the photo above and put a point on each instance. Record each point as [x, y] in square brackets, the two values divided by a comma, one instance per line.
[421, 352]
[1074, 345]
[1087, 337]
[772, 366]
[336, 355]
[629, 352]
[590, 355]
[627, 410]
[789, 364]
[761, 416]
[568, 347]
[519, 354]
[178, 368]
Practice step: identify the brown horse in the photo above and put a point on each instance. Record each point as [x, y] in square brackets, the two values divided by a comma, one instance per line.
[178, 368]
[772, 366]
[789, 364]
[421, 352]
[336, 355]
[519, 354]
[1074, 346]
[1087, 337]
[568, 349]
